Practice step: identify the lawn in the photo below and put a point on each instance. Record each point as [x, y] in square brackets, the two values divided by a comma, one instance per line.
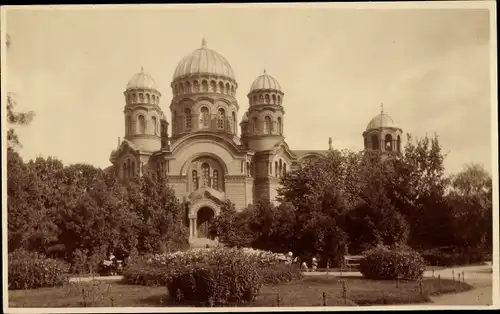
[307, 292]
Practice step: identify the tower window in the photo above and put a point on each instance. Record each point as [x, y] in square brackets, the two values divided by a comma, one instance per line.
[375, 144]
[204, 84]
[220, 118]
[276, 173]
[221, 87]
[254, 99]
[267, 99]
[280, 126]
[155, 125]
[284, 168]
[187, 113]
[388, 142]
[267, 125]
[274, 99]
[234, 122]
[196, 86]
[255, 125]
[213, 86]
[227, 88]
[204, 118]
[142, 124]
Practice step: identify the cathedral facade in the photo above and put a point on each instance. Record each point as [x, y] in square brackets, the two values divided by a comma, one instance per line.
[209, 157]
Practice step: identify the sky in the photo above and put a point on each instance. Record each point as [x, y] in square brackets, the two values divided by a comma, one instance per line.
[430, 68]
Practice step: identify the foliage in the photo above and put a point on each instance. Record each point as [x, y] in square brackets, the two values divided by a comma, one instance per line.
[232, 227]
[396, 263]
[453, 256]
[29, 270]
[281, 273]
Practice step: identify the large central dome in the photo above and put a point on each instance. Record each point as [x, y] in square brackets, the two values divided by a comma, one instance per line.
[204, 61]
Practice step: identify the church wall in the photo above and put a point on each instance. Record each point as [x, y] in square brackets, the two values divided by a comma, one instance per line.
[236, 191]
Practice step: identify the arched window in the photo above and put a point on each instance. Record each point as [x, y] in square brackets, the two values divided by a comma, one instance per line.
[251, 169]
[187, 116]
[221, 116]
[204, 118]
[147, 98]
[204, 85]
[175, 124]
[132, 169]
[215, 184]
[267, 125]
[274, 99]
[254, 99]
[388, 142]
[221, 87]
[227, 88]
[155, 125]
[129, 169]
[205, 170]
[128, 125]
[280, 126]
[267, 99]
[188, 87]
[276, 173]
[181, 88]
[134, 98]
[196, 86]
[399, 144]
[125, 170]
[281, 168]
[195, 180]
[235, 126]
[375, 142]
[141, 97]
[261, 99]
[213, 86]
[142, 124]
[284, 168]
[232, 90]
[255, 125]
[279, 100]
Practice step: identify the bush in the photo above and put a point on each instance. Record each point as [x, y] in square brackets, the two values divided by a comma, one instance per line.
[446, 256]
[399, 262]
[29, 270]
[234, 281]
[281, 273]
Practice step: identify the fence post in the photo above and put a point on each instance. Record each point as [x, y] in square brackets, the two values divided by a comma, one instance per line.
[397, 282]
[84, 298]
[421, 287]
[439, 283]
[432, 272]
[324, 299]
[278, 299]
[458, 277]
[453, 274]
[112, 302]
[463, 276]
[344, 291]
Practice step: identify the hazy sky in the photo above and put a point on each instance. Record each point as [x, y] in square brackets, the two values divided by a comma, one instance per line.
[430, 68]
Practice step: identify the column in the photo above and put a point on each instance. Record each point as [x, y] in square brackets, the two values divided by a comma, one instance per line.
[195, 231]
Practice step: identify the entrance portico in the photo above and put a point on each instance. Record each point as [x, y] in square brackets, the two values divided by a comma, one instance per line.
[203, 205]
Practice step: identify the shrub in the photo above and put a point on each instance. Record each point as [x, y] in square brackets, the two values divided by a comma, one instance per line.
[446, 256]
[399, 262]
[281, 273]
[29, 270]
[230, 276]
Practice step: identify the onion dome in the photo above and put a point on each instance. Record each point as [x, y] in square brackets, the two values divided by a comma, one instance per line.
[141, 80]
[204, 61]
[265, 82]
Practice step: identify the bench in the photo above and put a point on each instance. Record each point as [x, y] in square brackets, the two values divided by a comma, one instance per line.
[352, 261]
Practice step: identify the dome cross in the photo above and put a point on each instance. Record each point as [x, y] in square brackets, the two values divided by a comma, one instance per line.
[204, 43]
[382, 108]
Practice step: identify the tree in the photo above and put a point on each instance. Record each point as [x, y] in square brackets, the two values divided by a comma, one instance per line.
[15, 117]
[232, 227]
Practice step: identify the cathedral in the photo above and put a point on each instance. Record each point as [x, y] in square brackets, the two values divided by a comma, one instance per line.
[208, 158]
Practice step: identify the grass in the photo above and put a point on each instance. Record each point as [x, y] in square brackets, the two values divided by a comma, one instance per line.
[306, 292]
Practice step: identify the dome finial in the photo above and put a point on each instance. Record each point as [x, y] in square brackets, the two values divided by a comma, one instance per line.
[142, 69]
[204, 43]
[382, 108]
[329, 143]
[265, 71]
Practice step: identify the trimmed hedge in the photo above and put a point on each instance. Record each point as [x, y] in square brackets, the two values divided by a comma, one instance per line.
[454, 257]
[29, 270]
[383, 263]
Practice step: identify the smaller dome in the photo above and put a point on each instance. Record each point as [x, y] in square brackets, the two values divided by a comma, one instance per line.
[244, 118]
[265, 82]
[382, 120]
[141, 81]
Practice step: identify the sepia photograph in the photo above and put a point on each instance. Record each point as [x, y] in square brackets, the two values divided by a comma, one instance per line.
[249, 157]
